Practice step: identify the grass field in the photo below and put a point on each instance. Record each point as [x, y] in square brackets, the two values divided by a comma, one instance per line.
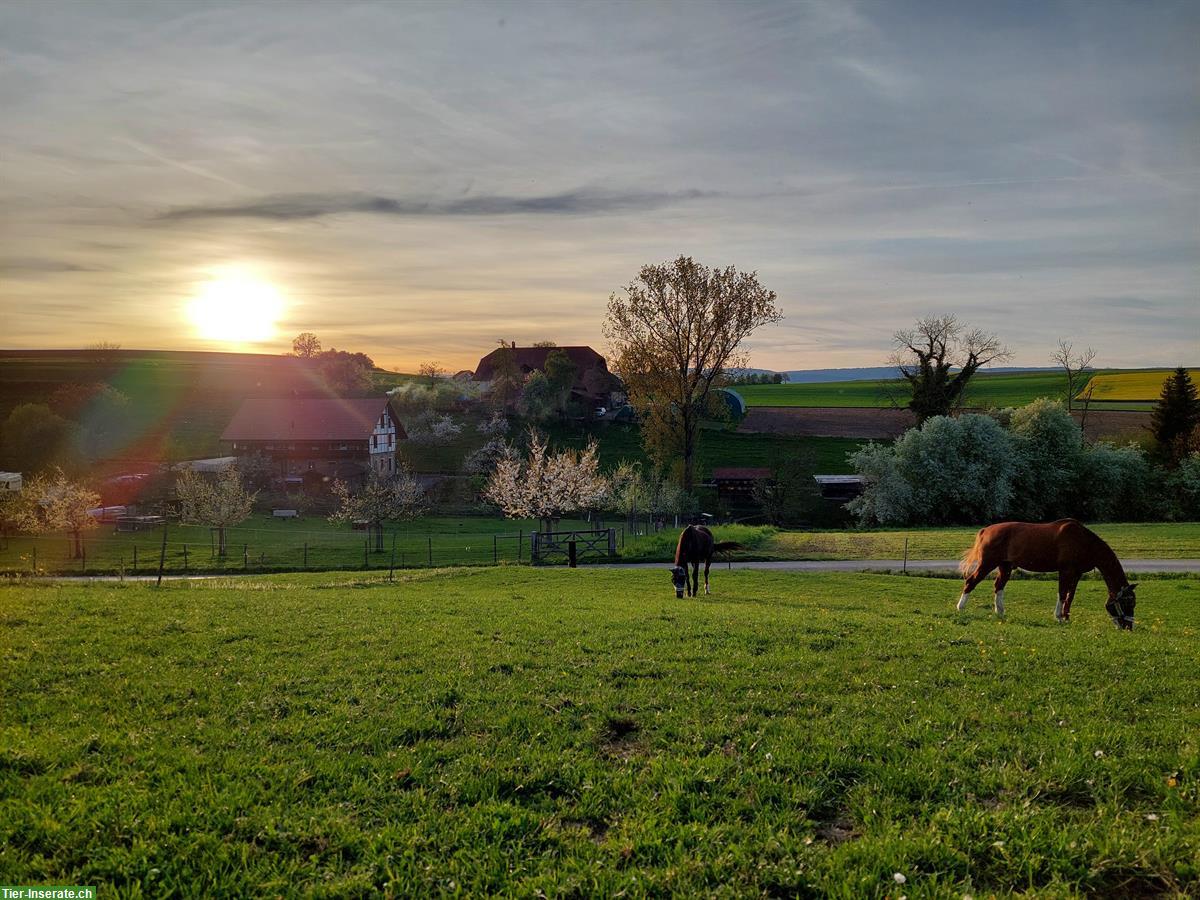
[1127, 386]
[1149, 540]
[585, 734]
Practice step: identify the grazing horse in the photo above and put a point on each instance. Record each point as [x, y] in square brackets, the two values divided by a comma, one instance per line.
[696, 545]
[1065, 547]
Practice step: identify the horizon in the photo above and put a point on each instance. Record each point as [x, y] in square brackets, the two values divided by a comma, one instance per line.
[417, 182]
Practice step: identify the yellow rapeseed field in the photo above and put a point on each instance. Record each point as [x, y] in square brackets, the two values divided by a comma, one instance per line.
[1129, 386]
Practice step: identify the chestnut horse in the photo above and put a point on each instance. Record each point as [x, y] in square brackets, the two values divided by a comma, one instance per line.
[696, 545]
[1065, 547]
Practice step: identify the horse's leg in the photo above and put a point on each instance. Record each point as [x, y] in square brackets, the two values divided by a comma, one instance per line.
[972, 582]
[1002, 576]
[695, 578]
[1067, 583]
[707, 563]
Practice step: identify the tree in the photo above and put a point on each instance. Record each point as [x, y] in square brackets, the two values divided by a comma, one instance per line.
[927, 354]
[34, 438]
[346, 374]
[539, 398]
[790, 497]
[52, 502]
[432, 429]
[1176, 416]
[560, 373]
[507, 382]
[1074, 365]
[1048, 446]
[432, 372]
[545, 485]
[676, 330]
[380, 499]
[220, 502]
[306, 345]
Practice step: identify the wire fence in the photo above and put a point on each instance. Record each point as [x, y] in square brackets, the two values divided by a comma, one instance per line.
[189, 549]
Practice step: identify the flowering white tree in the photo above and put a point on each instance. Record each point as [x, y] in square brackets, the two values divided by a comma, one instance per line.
[220, 503]
[431, 429]
[381, 498]
[545, 485]
[52, 503]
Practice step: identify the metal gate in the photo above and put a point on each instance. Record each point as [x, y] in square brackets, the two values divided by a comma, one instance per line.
[568, 546]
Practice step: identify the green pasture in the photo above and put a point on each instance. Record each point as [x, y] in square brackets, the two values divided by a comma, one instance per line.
[1147, 540]
[583, 733]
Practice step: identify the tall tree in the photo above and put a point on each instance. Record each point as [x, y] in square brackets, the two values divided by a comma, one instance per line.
[676, 329]
[560, 372]
[938, 357]
[34, 438]
[381, 499]
[1176, 416]
[219, 503]
[1074, 366]
[306, 345]
[346, 374]
[506, 382]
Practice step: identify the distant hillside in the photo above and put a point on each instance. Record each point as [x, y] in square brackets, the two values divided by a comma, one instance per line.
[878, 373]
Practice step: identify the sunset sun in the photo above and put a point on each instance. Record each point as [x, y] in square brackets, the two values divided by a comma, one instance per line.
[235, 307]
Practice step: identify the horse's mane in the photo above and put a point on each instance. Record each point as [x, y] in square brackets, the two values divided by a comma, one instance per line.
[680, 555]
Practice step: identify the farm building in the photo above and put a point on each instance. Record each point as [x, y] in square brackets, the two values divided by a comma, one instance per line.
[594, 384]
[318, 439]
[737, 483]
[840, 488]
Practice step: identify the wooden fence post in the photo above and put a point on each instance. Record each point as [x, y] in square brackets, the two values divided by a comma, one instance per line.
[495, 551]
[430, 539]
[392, 568]
[162, 557]
[571, 558]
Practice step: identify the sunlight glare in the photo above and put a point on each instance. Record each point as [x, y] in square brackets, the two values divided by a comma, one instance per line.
[234, 307]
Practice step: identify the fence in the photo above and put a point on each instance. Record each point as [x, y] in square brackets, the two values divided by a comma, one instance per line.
[194, 551]
[568, 546]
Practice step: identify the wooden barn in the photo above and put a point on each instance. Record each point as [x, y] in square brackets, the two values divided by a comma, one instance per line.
[318, 439]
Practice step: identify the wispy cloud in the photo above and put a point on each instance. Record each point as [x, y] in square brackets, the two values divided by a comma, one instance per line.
[286, 207]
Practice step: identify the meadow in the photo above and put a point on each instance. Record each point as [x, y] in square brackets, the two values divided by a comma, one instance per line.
[559, 733]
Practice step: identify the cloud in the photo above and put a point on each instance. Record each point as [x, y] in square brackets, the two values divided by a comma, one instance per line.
[41, 266]
[287, 207]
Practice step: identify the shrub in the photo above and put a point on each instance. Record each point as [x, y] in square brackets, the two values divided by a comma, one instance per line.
[1049, 448]
[1115, 483]
[1183, 489]
[947, 471]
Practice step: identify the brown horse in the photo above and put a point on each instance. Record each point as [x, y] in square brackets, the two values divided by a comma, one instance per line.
[696, 545]
[1065, 547]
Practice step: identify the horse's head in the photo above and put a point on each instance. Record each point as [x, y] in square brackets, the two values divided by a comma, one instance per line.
[1120, 606]
[679, 579]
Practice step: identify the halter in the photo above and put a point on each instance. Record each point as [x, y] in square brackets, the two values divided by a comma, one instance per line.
[1115, 607]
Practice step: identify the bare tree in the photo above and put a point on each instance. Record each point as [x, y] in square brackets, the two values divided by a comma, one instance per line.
[380, 499]
[432, 372]
[1074, 366]
[938, 357]
[306, 345]
[675, 331]
[220, 503]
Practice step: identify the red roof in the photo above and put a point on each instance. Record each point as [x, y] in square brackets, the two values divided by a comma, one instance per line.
[735, 473]
[529, 359]
[308, 420]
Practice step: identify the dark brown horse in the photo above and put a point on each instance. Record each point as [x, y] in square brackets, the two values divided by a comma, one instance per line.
[1065, 547]
[696, 545]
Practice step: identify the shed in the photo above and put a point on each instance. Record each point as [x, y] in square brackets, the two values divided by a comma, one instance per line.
[10, 481]
[737, 482]
[840, 488]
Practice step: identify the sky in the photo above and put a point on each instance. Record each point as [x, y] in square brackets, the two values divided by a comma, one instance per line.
[418, 181]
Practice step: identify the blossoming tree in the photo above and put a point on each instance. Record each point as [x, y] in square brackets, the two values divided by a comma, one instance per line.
[546, 486]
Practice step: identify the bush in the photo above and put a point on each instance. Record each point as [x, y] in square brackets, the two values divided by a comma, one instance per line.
[1115, 483]
[950, 470]
[1049, 447]
[1183, 489]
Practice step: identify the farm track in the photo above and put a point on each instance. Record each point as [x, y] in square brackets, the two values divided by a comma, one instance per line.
[791, 565]
[867, 423]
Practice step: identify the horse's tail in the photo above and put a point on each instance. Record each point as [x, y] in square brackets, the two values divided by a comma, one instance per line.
[971, 558]
[722, 546]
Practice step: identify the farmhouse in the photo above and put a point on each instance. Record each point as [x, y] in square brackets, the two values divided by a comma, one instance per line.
[318, 439]
[593, 382]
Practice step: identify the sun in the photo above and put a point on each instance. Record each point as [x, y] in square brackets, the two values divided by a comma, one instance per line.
[236, 308]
